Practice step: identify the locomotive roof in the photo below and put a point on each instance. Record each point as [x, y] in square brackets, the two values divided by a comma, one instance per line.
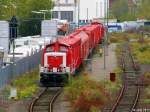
[88, 27]
[74, 38]
[70, 40]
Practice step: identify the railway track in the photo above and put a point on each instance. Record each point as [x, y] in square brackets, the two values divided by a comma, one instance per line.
[44, 102]
[130, 92]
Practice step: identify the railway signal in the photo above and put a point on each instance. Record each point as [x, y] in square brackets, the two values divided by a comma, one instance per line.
[13, 28]
[13, 34]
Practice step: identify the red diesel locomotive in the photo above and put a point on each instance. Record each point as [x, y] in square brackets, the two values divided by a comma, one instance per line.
[64, 57]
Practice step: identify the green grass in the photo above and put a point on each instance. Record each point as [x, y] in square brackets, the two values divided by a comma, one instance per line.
[26, 85]
[85, 94]
[145, 28]
[147, 96]
[122, 37]
[141, 52]
[147, 90]
[2, 110]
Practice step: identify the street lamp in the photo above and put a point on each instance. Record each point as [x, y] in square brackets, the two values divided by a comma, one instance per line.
[41, 12]
[44, 12]
[38, 12]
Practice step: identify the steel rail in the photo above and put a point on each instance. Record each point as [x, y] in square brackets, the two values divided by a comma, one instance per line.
[35, 100]
[120, 96]
[51, 100]
[136, 99]
[118, 99]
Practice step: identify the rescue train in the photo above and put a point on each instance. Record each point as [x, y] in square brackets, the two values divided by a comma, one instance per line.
[64, 56]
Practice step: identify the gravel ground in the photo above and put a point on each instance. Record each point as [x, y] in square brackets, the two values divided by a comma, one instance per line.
[62, 105]
[15, 106]
[98, 72]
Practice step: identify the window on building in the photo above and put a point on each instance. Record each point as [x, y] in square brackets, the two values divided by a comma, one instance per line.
[68, 15]
[66, 1]
[55, 14]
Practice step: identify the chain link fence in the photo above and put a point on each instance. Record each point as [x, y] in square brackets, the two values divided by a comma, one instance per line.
[20, 67]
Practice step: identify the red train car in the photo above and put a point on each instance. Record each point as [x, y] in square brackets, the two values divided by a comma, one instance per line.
[64, 57]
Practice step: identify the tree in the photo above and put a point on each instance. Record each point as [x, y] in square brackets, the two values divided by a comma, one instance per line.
[124, 11]
[120, 9]
[144, 9]
[29, 23]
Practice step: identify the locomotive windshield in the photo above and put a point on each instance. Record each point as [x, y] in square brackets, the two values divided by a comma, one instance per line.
[63, 49]
[50, 49]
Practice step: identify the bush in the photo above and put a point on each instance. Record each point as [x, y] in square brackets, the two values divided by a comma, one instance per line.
[147, 77]
[85, 94]
[145, 28]
[2, 110]
[141, 52]
[122, 37]
[26, 85]
[147, 90]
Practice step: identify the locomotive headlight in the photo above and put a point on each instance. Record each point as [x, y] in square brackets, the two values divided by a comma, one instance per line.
[42, 69]
[68, 69]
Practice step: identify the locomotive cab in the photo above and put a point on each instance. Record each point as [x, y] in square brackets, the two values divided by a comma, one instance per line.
[54, 70]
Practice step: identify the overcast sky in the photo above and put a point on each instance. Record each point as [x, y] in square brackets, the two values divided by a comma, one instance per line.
[91, 5]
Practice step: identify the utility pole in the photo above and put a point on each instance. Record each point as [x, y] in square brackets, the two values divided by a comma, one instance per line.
[75, 13]
[51, 12]
[59, 12]
[101, 9]
[107, 24]
[106, 16]
[105, 35]
[78, 13]
[96, 9]
[87, 14]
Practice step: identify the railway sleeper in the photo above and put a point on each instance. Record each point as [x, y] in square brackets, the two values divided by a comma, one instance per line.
[41, 111]
[42, 104]
[128, 98]
[122, 109]
[130, 71]
[107, 109]
[131, 94]
[39, 108]
[127, 104]
[43, 100]
[130, 82]
[131, 76]
[129, 91]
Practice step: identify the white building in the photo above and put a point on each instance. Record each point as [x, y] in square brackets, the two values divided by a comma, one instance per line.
[65, 9]
[89, 9]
